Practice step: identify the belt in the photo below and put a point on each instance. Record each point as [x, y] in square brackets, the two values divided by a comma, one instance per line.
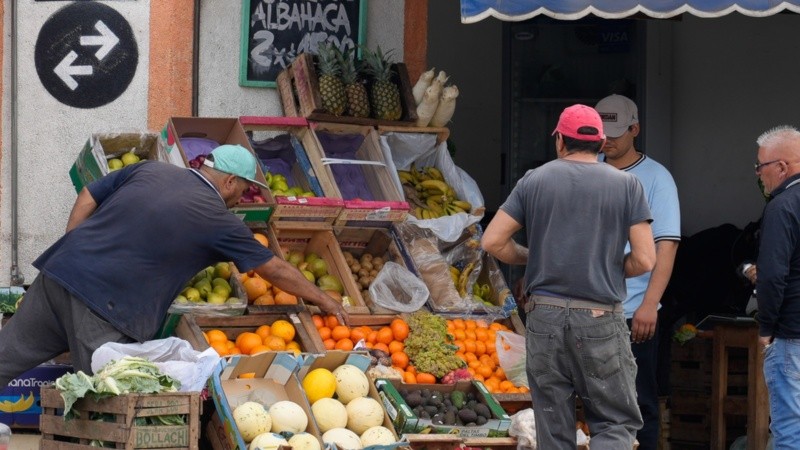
[571, 303]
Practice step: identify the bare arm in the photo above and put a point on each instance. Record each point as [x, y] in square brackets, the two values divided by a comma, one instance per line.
[497, 240]
[642, 257]
[83, 208]
[643, 326]
[287, 277]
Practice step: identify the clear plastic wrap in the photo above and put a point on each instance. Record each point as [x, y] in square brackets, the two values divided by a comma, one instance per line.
[397, 289]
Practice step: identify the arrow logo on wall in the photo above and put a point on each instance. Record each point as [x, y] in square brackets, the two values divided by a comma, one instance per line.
[65, 70]
[107, 40]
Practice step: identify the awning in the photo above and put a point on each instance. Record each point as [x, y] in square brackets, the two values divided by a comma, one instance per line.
[515, 10]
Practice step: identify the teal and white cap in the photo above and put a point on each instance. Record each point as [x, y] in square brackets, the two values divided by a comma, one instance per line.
[235, 160]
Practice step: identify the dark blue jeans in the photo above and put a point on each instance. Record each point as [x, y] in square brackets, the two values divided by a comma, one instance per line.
[585, 353]
[646, 354]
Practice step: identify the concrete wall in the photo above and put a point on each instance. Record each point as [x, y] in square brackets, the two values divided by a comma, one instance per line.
[52, 133]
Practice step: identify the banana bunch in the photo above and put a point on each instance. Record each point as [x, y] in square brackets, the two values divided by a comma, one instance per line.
[429, 195]
[461, 277]
[22, 404]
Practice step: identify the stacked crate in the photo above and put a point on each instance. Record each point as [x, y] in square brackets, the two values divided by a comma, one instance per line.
[690, 402]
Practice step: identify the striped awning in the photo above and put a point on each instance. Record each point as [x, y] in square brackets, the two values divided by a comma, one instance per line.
[516, 10]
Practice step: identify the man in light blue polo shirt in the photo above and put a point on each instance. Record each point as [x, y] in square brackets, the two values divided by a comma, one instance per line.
[621, 125]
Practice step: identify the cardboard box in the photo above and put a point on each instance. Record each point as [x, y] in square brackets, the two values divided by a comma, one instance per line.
[20, 401]
[124, 430]
[406, 421]
[196, 136]
[190, 328]
[92, 161]
[379, 242]
[335, 358]
[351, 166]
[268, 139]
[274, 381]
[307, 237]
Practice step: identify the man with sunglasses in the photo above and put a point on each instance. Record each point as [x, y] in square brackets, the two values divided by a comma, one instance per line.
[621, 125]
[133, 238]
[778, 281]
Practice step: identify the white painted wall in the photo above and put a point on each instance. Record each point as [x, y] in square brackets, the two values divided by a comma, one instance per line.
[50, 134]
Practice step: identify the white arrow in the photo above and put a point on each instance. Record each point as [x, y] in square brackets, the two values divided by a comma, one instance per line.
[65, 70]
[107, 40]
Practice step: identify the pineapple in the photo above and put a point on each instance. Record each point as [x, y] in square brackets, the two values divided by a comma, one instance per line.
[331, 88]
[357, 99]
[385, 94]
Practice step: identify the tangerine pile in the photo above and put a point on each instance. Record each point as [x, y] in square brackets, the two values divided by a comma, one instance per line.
[475, 340]
[261, 292]
[389, 339]
[276, 337]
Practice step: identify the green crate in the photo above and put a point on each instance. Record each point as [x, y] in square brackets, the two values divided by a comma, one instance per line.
[92, 164]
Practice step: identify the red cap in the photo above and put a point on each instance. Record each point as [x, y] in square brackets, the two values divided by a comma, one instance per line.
[580, 122]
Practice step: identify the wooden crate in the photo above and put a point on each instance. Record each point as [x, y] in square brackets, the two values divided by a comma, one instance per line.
[387, 204]
[298, 86]
[76, 434]
[695, 427]
[691, 367]
[190, 328]
[319, 238]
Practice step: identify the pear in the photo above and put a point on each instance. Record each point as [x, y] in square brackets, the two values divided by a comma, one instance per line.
[225, 291]
[181, 299]
[309, 276]
[295, 257]
[318, 267]
[311, 257]
[114, 164]
[222, 270]
[215, 298]
[129, 158]
[329, 282]
[191, 294]
[204, 287]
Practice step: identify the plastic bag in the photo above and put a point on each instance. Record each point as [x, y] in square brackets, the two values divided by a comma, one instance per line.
[511, 354]
[398, 289]
[523, 427]
[173, 356]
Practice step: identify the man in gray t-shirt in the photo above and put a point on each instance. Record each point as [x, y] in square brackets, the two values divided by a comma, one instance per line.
[578, 215]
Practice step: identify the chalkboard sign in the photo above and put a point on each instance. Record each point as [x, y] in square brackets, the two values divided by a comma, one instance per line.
[274, 32]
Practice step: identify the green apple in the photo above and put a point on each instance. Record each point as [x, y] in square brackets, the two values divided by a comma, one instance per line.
[215, 298]
[114, 164]
[129, 158]
[222, 270]
[191, 294]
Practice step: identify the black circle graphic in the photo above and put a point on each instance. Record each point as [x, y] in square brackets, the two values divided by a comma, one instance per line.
[86, 55]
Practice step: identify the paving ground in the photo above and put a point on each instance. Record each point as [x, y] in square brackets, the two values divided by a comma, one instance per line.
[24, 441]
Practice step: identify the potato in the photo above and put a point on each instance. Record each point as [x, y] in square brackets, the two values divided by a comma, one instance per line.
[377, 260]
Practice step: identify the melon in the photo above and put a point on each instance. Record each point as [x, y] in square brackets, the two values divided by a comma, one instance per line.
[377, 436]
[319, 383]
[351, 383]
[288, 416]
[364, 413]
[251, 419]
[267, 441]
[304, 441]
[329, 413]
[343, 438]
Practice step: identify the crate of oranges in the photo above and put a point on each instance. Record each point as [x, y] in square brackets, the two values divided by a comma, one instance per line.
[247, 335]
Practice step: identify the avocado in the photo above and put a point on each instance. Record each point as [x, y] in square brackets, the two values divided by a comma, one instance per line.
[481, 420]
[414, 400]
[483, 410]
[438, 419]
[467, 415]
[431, 410]
[450, 418]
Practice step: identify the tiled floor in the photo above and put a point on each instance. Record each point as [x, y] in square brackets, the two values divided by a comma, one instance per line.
[24, 441]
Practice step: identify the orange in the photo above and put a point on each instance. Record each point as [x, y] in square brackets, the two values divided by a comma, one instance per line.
[472, 372]
[260, 348]
[385, 335]
[477, 377]
[263, 331]
[293, 346]
[492, 385]
[275, 343]
[470, 334]
[425, 378]
[331, 321]
[396, 346]
[484, 371]
[344, 344]
[381, 346]
[324, 333]
[505, 385]
[481, 334]
[469, 346]
[369, 345]
[512, 390]
[357, 334]
[524, 389]
[461, 355]
[247, 375]
[330, 344]
[285, 298]
[480, 348]
[495, 326]
[340, 332]
[460, 345]
[372, 337]
[247, 341]
[399, 329]
[266, 299]
[458, 324]
[400, 359]
[500, 373]
[470, 324]
[411, 369]
[319, 322]
[261, 238]
[221, 348]
[459, 335]
[474, 365]
[469, 357]
[254, 287]
[234, 351]
[450, 326]
[283, 329]
[216, 336]
[409, 377]
[229, 344]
